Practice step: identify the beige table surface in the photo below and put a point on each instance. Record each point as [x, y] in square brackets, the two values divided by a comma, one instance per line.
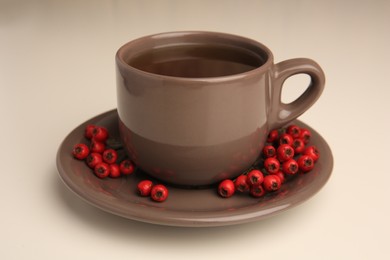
[57, 70]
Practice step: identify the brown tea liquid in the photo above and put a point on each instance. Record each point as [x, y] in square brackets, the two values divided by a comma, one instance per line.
[197, 61]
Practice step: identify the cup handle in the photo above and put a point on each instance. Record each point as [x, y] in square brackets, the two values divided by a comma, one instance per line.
[282, 113]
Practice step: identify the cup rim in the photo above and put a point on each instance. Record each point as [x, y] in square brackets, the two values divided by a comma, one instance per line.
[119, 57]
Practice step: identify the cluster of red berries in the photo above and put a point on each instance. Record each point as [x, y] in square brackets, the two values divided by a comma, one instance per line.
[157, 192]
[102, 159]
[104, 162]
[286, 152]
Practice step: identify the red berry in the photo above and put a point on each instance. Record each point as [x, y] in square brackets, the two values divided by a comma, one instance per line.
[97, 147]
[110, 156]
[114, 171]
[159, 193]
[102, 170]
[305, 163]
[313, 152]
[285, 152]
[286, 139]
[100, 134]
[257, 191]
[145, 187]
[293, 130]
[298, 145]
[93, 159]
[281, 176]
[254, 177]
[290, 167]
[226, 188]
[269, 151]
[80, 151]
[88, 132]
[241, 183]
[272, 165]
[305, 135]
[271, 183]
[126, 167]
[272, 136]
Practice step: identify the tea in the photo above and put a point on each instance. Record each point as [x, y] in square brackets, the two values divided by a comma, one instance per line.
[197, 61]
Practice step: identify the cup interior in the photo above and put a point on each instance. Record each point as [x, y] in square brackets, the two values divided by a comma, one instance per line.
[194, 55]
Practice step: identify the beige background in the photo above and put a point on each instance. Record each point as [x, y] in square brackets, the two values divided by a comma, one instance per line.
[57, 70]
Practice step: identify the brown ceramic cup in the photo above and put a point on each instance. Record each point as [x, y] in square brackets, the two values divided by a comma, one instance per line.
[195, 107]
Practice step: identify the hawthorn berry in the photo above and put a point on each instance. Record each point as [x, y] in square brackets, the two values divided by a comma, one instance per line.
[88, 132]
[269, 151]
[226, 188]
[110, 156]
[285, 152]
[102, 170]
[241, 183]
[114, 170]
[126, 167]
[254, 177]
[80, 151]
[293, 130]
[305, 135]
[271, 183]
[97, 147]
[272, 136]
[281, 176]
[305, 163]
[159, 193]
[100, 134]
[257, 190]
[290, 167]
[145, 187]
[286, 139]
[93, 159]
[298, 145]
[272, 165]
[313, 152]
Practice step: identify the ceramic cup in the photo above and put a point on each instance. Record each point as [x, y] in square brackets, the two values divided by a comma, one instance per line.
[195, 107]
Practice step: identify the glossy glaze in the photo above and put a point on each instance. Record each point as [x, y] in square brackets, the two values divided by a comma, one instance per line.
[198, 123]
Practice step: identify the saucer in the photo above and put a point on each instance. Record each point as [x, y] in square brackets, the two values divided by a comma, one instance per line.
[184, 207]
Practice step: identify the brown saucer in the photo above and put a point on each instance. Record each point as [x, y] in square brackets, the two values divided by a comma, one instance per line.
[184, 207]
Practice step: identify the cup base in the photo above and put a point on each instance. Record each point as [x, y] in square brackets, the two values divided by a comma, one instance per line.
[191, 166]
